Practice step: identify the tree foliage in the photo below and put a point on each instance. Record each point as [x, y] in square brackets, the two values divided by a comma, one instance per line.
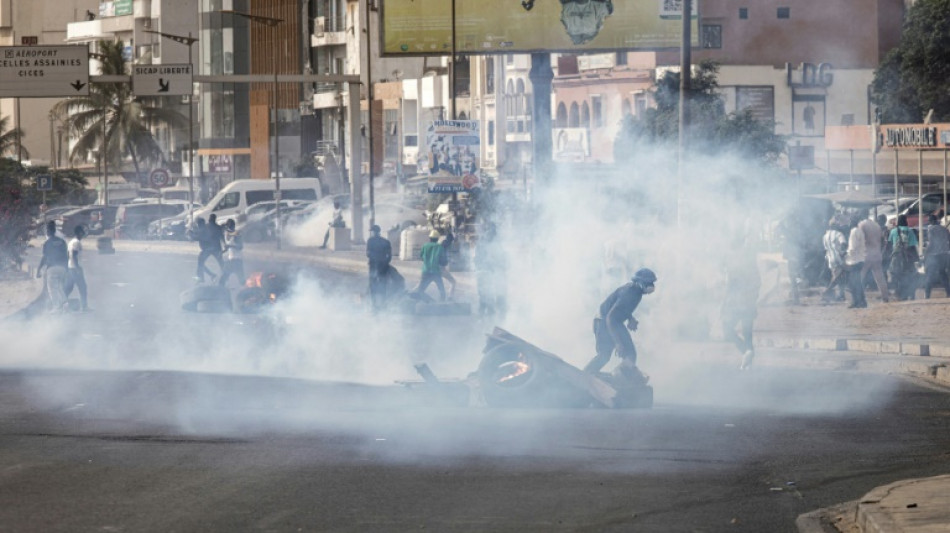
[712, 130]
[20, 202]
[8, 139]
[112, 116]
[913, 77]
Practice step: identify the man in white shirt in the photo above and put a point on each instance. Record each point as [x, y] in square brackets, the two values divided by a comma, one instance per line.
[74, 273]
[855, 258]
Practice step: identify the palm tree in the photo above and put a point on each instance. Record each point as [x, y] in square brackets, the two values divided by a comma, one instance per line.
[114, 117]
[9, 141]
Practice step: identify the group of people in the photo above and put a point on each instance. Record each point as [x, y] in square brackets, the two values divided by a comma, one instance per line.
[63, 269]
[213, 241]
[887, 255]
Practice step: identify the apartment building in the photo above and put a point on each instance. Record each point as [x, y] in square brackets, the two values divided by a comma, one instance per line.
[40, 22]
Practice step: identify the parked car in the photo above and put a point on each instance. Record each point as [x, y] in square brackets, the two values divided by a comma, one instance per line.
[933, 204]
[169, 228]
[95, 218]
[258, 210]
[132, 220]
[237, 196]
[39, 223]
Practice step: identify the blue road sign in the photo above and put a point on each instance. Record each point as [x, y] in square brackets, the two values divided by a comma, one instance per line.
[44, 182]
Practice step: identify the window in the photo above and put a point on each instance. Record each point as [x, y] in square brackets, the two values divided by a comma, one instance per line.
[574, 120]
[561, 120]
[230, 200]
[254, 197]
[411, 140]
[585, 116]
[743, 13]
[621, 58]
[783, 12]
[491, 133]
[490, 75]
[598, 108]
[712, 36]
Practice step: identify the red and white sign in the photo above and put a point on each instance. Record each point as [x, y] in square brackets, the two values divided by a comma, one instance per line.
[159, 178]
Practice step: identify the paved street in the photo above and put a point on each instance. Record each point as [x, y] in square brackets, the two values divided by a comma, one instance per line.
[210, 424]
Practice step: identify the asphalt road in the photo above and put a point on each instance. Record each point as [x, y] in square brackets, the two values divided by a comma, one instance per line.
[134, 418]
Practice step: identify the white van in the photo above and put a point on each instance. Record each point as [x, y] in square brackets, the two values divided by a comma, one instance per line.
[238, 195]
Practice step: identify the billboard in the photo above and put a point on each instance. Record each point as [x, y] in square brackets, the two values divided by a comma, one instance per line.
[424, 27]
[450, 156]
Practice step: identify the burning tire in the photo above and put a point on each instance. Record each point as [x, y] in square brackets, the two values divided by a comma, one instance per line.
[512, 377]
[213, 306]
[250, 300]
[201, 294]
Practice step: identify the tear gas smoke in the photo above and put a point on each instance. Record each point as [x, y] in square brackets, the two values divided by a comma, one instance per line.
[581, 235]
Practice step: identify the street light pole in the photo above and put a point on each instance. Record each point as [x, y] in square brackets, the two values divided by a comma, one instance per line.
[270, 22]
[188, 41]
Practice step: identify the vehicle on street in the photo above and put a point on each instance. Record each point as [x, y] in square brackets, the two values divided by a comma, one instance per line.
[171, 228]
[237, 196]
[264, 226]
[95, 218]
[132, 220]
[933, 204]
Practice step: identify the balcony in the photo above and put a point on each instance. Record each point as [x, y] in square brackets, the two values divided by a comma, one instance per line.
[328, 31]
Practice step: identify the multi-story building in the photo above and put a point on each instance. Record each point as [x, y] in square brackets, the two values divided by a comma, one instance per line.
[130, 21]
[40, 22]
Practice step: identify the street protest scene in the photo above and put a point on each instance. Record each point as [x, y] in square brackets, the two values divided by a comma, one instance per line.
[475, 266]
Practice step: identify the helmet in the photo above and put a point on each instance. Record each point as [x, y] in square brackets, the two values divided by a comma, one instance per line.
[434, 234]
[644, 276]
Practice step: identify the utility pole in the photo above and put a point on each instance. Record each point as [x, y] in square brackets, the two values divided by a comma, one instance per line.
[685, 75]
[187, 41]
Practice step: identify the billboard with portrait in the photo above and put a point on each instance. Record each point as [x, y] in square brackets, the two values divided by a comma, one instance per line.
[424, 27]
[450, 155]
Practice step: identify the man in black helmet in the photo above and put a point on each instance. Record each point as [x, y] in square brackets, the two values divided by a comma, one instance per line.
[609, 330]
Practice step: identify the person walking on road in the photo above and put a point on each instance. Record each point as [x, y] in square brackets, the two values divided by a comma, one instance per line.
[75, 277]
[874, 260]
[379, 253]
[609, 330]
[209, 237]
[854, 262]
[904, 259]
[739, 306]
[234, 247]
[936, 256]
[55, 259]
[835, 246]
[433, 259]
[446, 275]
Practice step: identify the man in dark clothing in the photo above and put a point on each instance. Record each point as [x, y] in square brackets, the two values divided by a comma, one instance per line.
[210, 237]
[379, 252]
[936, 256]
[609, 330]
[55, 259]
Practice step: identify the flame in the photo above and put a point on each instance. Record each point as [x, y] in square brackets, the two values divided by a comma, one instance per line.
[519, 368]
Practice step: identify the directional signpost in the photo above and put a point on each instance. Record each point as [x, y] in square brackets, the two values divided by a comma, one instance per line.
[162, 80]
[44, 71]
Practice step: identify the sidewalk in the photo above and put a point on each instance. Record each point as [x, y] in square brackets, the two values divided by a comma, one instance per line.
[917, 343]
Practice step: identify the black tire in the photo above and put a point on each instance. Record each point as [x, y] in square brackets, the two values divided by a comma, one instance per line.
[512, 377]
[201, 293]
[250, 300]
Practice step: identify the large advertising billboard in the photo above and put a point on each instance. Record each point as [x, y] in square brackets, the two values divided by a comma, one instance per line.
[450, 156]
[424, 27]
